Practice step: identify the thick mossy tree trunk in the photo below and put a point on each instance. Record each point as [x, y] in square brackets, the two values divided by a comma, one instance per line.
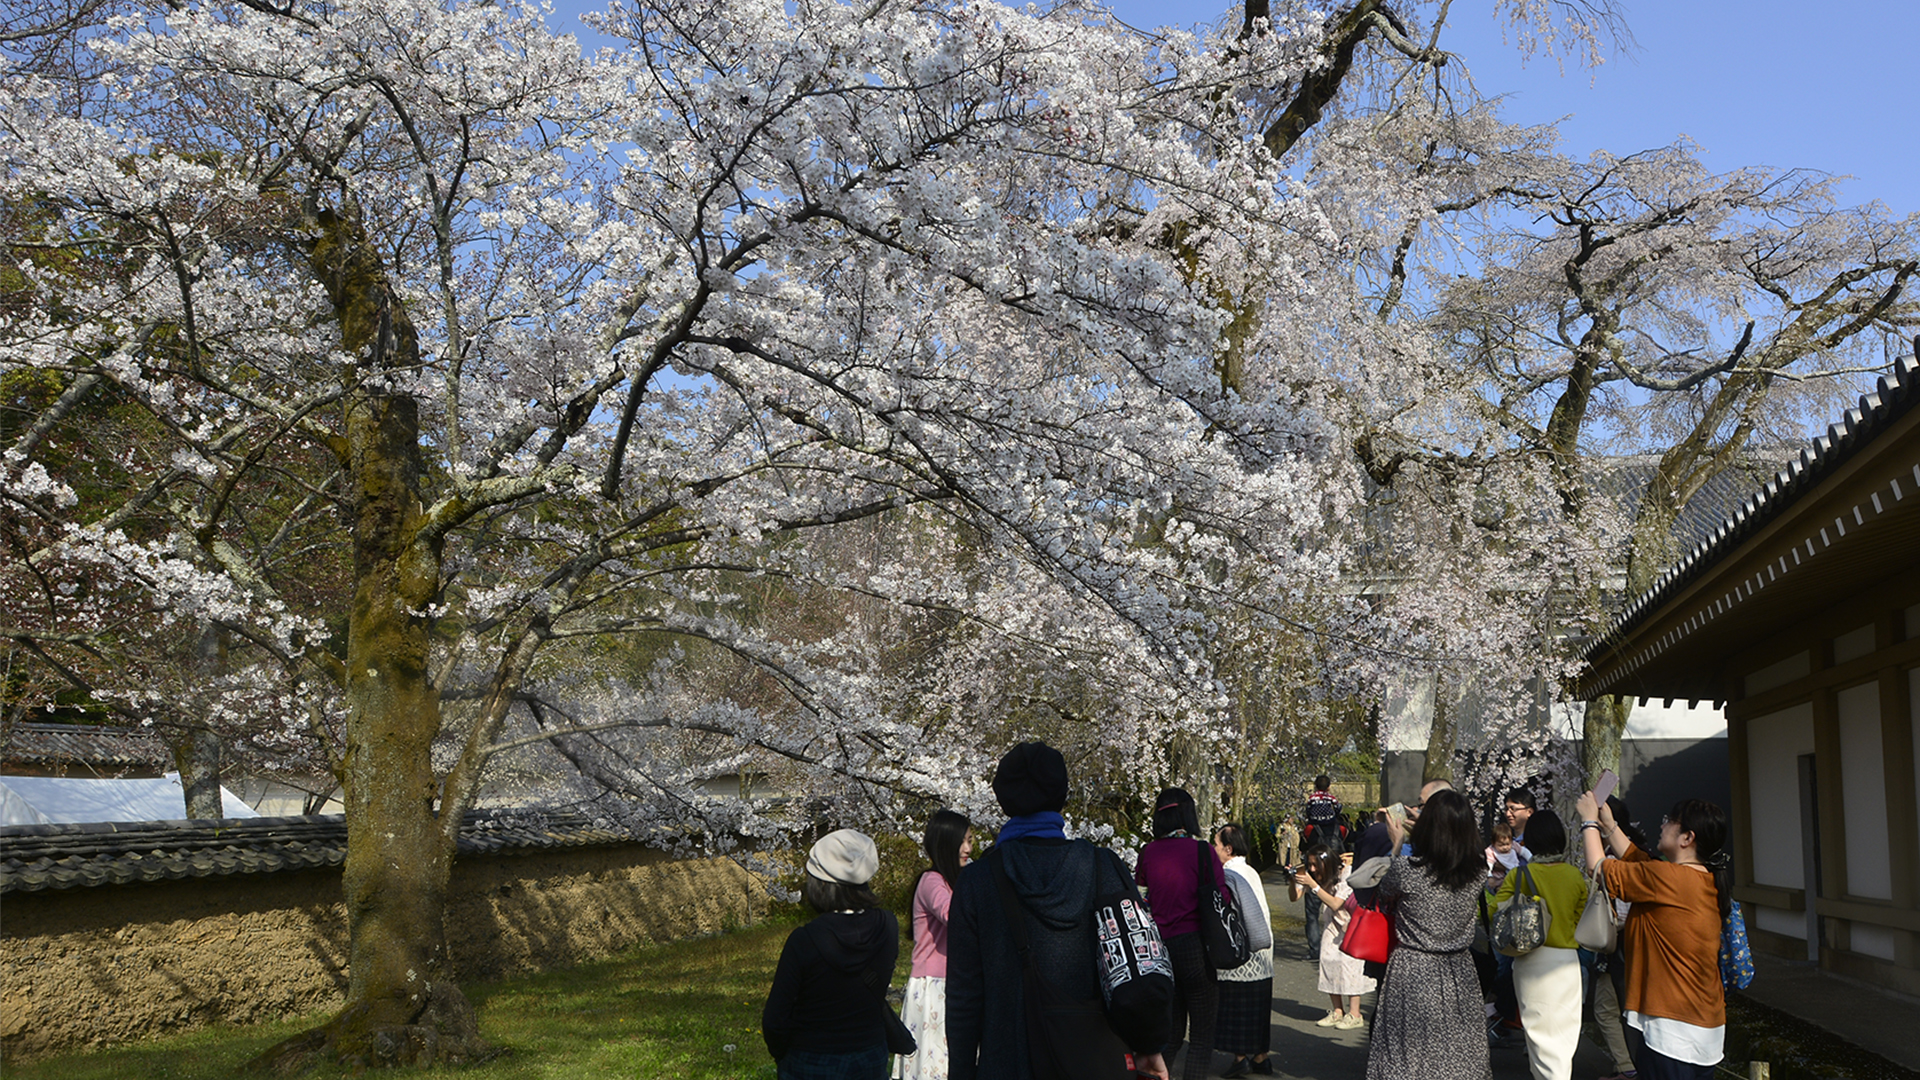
[1443, 736]
[195, 747]
[1654, 546]
[403, 1006]
[196, 756]
[1601, 730]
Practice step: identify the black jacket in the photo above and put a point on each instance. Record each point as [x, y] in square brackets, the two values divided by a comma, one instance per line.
[827, 992]
[1057, 882]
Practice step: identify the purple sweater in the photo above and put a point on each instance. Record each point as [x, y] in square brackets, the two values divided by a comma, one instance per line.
[1169, 871]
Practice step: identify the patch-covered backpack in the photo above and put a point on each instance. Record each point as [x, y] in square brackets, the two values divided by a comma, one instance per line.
[1136, 971]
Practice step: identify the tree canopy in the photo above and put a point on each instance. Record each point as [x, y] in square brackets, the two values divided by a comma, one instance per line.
[829, 389]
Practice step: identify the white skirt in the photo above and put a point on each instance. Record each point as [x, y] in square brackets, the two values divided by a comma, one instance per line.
[925, 1014]
[1339, 973]
[1547, 982]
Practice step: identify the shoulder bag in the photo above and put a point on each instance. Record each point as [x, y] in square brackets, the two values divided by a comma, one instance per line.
[1066, 1039]
[1259, 931]
[1522, 922]
[1596, 930]
[1222, 928]
[1369, 933]
[1136, 973]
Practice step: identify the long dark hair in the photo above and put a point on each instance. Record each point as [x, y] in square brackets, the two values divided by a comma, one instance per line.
[946, 830]
[1321, 864]
[1446, 841]
[1173, 811]
[1546, 834]
[1708, 824]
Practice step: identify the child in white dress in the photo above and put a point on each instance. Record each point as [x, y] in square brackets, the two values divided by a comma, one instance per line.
[1343, 978]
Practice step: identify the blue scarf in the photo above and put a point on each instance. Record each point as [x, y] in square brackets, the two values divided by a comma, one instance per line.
[1040, 823]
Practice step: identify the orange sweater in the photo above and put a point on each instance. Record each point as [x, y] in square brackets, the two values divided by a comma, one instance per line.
[1672, 940]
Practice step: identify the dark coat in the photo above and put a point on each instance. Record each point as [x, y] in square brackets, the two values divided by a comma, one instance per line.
[1057, 881]
[827, 992]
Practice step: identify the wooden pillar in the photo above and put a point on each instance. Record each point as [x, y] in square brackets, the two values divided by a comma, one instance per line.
[1739, 764]
[1809, 852]
[1903, 803]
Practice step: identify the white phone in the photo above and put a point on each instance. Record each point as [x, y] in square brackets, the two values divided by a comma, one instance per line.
[1603, 790]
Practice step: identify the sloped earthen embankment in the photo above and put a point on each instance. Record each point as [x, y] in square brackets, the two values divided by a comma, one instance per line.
[117, 963]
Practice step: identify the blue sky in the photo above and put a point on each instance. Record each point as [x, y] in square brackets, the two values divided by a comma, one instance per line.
[1785, 83]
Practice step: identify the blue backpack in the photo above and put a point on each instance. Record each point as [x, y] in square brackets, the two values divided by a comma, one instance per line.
[1736, 959]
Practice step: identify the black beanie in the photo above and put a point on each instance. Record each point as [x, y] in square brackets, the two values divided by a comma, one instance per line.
[1031, 777]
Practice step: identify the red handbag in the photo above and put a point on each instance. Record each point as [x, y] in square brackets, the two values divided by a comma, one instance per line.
[1369, 935]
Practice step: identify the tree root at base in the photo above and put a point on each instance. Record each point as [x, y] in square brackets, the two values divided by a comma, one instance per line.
[445, 1033]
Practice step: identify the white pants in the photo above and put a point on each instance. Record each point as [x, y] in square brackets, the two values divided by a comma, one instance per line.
[1547, 982]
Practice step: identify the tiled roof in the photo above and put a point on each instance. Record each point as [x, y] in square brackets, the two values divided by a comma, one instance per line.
[1625, 480]
[39, 857]
[1894, 396]
[110, 749]
[1621, 480]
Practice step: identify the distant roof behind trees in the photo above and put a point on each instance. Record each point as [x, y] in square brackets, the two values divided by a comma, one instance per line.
[34, 749]
[1624, 479]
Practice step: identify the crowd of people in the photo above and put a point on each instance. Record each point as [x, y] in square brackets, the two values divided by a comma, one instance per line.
[1048, 957]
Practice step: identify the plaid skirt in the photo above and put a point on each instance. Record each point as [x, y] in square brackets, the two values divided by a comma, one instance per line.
[858, 1065]
[1245, 1022]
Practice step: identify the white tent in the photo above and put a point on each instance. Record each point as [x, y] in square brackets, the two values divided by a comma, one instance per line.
[53, 800]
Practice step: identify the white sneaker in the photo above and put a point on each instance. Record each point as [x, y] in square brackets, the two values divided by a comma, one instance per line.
[1332, 1019]
[1349, 1022]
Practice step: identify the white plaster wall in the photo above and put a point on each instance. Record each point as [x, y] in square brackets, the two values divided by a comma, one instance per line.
[1863, 783]
[1791, 924]
[1797, 666]
[1407, 717]
[1853, 644]
[1872, 940]
[1655, 719]
[1774, 745]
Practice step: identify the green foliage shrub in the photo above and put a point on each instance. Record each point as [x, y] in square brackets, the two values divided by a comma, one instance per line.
[901, 861]
[1259, 828]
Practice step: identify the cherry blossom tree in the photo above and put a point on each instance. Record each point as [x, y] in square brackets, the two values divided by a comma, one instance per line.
[1557, 314]
[460, 354]
[1477, 590]
[539, 348]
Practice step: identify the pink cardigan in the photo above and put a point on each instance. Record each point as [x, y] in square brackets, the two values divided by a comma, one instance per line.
[930, 902]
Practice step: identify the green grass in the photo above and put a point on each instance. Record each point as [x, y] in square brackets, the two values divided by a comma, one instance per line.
[664, 1011]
